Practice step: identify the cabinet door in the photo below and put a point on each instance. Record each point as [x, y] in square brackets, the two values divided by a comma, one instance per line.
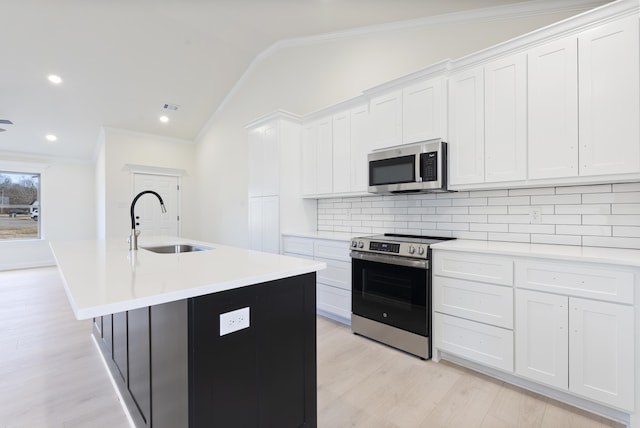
[325, 156]
[264, 224]
[422, 111]
[120, 344]
[608, 61]
[553, 109]
[602, 352]
[542, 348]
[505, 143]
[139, 357]
[359, 167]
[341, 152]
[309, 158]
[466, 127]
[254, 151]
[386, 120]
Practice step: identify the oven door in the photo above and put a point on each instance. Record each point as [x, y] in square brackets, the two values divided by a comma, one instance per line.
[392, 290]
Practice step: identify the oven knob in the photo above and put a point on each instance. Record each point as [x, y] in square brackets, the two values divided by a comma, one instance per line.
[360, 244]
[420, 250]
[412, 249]
[354, 244]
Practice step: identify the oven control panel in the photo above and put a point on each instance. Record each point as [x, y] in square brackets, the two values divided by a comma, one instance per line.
[395, 248]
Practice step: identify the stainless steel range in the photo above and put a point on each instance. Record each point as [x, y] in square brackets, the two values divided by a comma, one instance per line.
[391, 297]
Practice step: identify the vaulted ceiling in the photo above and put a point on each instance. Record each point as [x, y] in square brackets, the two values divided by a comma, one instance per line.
[121, 60]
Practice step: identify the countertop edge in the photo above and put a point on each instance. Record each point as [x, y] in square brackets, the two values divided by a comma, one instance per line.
[603, 255]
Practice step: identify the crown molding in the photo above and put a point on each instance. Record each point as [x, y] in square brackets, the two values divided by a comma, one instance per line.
[518, 10]
[278, 114]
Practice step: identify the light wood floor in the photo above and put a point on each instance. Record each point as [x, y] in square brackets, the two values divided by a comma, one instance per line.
[51, 376]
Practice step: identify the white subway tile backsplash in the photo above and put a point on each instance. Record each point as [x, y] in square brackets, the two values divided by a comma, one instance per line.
[626, 187]
[498, 209]
[584, 209]
[532, 191]
[532, 228]
[556, 199]
[452, 210]
[568, 229]
[556, 239]
[611, 198]
[510, 237]
[625, 208]
[630, 231]
[613, 242]
[510, 200]
[599, 215]
[596, 188]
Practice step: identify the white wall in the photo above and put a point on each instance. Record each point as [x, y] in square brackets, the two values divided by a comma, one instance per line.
[308, 77]
[67, 208]
[122, 148]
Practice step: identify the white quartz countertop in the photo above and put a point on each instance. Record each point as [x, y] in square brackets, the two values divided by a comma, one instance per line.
[102, 277]
[614, 256]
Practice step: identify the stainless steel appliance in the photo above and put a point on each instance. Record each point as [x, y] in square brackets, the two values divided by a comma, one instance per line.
[419, 167]
[391, 297]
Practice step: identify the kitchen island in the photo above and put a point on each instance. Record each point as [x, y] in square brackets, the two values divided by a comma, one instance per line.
[220, 337]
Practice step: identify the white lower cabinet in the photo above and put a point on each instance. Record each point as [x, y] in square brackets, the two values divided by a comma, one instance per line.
[333, 284]
[579, 345]
[563, 324]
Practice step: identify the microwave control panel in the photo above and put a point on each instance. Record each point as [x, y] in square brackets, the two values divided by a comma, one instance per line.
[429, 163]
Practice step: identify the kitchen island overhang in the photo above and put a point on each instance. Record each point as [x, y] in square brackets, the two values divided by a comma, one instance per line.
[157, 318]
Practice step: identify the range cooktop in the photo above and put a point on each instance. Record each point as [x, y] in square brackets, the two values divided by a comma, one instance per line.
[396, 244]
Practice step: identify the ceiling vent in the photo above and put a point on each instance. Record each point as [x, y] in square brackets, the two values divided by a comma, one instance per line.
[5, 122]
[172, 107]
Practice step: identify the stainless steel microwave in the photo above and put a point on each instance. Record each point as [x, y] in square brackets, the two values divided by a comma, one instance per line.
[419, 167]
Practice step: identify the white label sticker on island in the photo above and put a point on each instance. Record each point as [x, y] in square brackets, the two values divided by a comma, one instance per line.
[234, 321]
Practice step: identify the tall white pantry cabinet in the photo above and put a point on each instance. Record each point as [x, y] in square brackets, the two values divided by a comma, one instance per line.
[275, 200]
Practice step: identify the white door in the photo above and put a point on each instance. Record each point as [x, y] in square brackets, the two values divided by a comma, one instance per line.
[542, 337]
[553, 109]
[310, 158]
[608, 63]
[466, 127]
[359, 148]
[152, 221]
[325, 156]
[422, 111]
[601, 366]
[505, 144]
[341, 152]
[386, 120]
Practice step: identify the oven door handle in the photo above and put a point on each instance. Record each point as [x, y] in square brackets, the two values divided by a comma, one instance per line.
[392, 260]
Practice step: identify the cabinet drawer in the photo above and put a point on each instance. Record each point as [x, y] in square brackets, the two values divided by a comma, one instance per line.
[474, 267]
[295, 245]
[333, 300]
[489, 345]
[475, 301]
[575, 279]
[337, 274]
[336, 250]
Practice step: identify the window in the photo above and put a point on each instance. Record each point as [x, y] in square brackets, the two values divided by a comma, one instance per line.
[19, 205]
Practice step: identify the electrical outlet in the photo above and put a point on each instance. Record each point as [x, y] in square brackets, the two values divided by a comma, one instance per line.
[234, 321]
[535, 215]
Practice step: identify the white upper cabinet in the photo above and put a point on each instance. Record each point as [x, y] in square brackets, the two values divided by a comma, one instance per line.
[317, 156]
[342, 151]
[423, 111]
[386, 120]
[359, 148]
[310, 158]
[466, 127]
[505, 103]
[263, 175]
[325, 156]
[609, 98]
[553, 109]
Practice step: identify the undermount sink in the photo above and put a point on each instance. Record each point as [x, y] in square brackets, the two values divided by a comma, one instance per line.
[177, 248]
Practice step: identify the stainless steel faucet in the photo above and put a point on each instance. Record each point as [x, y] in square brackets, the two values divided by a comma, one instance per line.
[133, 238]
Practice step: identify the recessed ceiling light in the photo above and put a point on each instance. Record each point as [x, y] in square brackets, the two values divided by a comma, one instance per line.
[164, 119]
[54, 79]
[51, 137]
